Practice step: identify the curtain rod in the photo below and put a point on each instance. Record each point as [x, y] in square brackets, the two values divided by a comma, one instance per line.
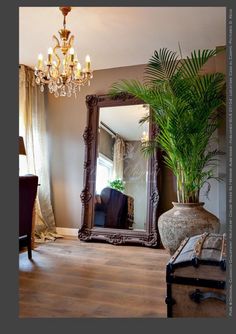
[108, 129]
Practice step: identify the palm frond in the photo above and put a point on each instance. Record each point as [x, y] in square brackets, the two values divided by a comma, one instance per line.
[161, 66]
[193, 64]
[185, 106]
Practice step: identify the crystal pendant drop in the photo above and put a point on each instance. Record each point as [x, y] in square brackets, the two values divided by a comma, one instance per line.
[50, 85]
[63, 92]
[37, 80]
[42, 88]
[54, 87]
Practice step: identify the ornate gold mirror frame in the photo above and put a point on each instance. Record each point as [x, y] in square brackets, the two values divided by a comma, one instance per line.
[149, 236]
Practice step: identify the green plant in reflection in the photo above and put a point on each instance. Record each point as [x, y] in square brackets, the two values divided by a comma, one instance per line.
[117, 184]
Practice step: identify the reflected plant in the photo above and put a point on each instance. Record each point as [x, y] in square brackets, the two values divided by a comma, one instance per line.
[117, 184]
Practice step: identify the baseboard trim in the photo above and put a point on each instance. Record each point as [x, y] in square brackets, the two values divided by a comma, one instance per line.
[67, 231]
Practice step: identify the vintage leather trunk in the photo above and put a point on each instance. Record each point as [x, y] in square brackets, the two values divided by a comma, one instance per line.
[196, 278]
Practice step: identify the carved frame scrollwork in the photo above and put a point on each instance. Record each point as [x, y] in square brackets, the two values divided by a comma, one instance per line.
[148, 237]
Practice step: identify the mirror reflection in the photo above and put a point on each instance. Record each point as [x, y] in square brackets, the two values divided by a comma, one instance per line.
[122, 169]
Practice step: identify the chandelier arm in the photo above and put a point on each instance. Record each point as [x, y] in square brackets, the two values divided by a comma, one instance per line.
[44, 81]
[81, 81]
[57, 46]
[51, 73]
[59, 82]
[71, 41]
[57, 57]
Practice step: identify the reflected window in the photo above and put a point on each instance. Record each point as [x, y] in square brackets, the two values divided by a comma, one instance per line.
[104, 172]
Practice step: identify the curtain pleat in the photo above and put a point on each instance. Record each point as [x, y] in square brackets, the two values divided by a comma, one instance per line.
[118, 158]
[32, 126]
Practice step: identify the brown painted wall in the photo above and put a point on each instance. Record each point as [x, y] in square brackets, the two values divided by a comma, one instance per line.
[66, 123]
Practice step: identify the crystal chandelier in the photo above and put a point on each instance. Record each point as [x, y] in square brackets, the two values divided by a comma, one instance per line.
[65, 77]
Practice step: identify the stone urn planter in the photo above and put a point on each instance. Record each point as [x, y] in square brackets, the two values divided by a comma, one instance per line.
[185, 220]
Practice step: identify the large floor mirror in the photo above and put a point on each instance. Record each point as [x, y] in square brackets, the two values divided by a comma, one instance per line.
[120, 195]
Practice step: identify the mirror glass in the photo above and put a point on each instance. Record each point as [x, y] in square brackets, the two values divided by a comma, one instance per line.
[122, 168]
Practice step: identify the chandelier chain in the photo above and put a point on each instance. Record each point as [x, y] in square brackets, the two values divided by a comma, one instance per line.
[64, 22]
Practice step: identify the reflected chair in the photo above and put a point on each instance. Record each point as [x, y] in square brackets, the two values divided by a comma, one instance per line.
[112, 211]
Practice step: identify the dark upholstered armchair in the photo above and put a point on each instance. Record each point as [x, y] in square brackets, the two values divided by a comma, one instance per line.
[112, 211]
[27, 193]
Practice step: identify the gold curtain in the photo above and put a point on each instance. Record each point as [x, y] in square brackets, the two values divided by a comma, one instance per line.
[118, 158]
[32, 126]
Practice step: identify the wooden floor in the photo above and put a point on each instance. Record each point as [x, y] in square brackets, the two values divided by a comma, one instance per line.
[69, 278]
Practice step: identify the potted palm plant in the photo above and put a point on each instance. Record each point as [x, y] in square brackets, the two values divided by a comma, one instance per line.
[185, 105]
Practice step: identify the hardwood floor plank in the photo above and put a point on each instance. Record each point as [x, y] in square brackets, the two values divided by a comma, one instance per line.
[107, 283]
[136, 295]
[74, 306]
[69, 278]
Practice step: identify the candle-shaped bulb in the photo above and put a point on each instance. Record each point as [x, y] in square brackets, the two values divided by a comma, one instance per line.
[50, 52]
[144, 137]
[78, 70]
[72, 53]
[88, 62]
[40, 61]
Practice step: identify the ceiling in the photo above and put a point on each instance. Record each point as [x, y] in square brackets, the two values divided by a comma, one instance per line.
[121, 36]
[124, 120]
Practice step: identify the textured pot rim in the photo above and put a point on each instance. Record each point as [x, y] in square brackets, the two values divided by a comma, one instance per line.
[179, 204]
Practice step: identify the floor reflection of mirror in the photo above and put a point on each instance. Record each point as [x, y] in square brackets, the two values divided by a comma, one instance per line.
[121, 174]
